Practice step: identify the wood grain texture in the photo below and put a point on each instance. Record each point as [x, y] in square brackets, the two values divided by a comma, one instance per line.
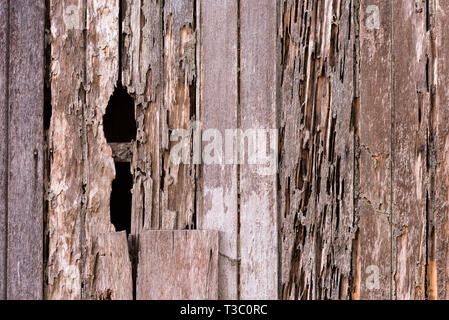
[102, 69]
[218, 103]
[178, 265]
[374, 159]
[316, 171]
[65, 194]
[25, 168]
[113, 280]
[179, 110]
[438, 230]
[4, 32]
[258, 203]
[82, 166]
[142, 77]
[411, 170]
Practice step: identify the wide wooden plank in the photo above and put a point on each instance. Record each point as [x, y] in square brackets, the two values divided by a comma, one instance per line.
[373, 132]
[177, 265]
[25, 172]
[410, 150]
[113, 276]
[218, 103]
[4, 32]
[258, 188]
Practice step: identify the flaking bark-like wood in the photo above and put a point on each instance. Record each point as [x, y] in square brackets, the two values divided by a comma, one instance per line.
[316, 176]
[80, 182]
[178, 265]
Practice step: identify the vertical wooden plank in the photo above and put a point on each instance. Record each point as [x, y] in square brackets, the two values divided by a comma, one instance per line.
[179, 110]
[316, 170]
[25, 187]
[438, 265]
[142, 76]
[102, 66]
[178, 265]
[218, 103]
[4, 32]
[410, 145]
[258, 202]
[373, 116]
[65, 194]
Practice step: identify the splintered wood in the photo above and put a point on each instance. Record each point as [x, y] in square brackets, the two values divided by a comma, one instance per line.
[179, 265]
[351, 93]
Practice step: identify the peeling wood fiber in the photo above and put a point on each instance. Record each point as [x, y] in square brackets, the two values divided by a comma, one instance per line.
[356, 91]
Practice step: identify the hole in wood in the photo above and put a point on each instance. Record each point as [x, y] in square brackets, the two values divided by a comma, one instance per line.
[119, 121]
[121, 197]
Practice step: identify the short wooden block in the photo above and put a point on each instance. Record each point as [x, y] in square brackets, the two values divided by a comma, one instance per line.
[178, 265]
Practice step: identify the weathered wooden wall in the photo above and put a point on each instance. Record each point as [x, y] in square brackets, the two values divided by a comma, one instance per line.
[355, 91]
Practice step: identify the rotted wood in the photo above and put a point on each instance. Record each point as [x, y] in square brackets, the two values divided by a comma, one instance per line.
[80, 184]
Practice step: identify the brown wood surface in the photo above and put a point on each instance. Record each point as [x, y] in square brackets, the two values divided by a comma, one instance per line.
[178, 265]
[374, 161]
[356, 210]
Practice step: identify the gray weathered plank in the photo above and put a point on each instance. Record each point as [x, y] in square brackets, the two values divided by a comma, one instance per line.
[25, 186]
[178, 265]
[258, 207]
[218, 103]
[3, 141]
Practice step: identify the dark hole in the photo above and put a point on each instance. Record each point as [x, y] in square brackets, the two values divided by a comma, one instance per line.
[119, 121]
[121, 197]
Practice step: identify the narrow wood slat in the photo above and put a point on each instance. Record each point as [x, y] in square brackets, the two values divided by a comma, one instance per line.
[3, 142]
[178, 265]
[438, 230]
[410, 150]
[25, 187]
[218, 103]
[258, 207]
[373, 116]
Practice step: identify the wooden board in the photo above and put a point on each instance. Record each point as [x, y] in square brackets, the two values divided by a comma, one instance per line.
[113, 280]
[179, 109]
[4, 33]
[316, 170]
[25, 168]
[65, 195]
[438, 230]
[373, 117]
[411, 194]
[258, 192]
[178, 265]
[218, 103]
